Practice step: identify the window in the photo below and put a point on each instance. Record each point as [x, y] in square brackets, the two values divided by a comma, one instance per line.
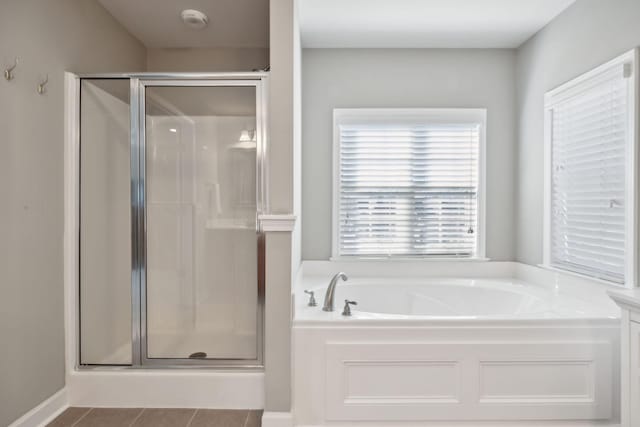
[408, 183]
[590, 179]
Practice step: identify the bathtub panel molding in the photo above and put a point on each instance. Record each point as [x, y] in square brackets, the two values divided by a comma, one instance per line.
[441, 373]
[440, 380]
[534, 377]
[389, 382]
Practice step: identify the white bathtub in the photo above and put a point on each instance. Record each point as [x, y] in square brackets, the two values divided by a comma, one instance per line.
[449, 298]
[525, 345]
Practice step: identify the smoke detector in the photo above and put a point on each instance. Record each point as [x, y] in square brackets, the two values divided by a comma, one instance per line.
[194, 19]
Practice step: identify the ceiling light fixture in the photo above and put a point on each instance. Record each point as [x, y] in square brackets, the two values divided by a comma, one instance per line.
[194, 19]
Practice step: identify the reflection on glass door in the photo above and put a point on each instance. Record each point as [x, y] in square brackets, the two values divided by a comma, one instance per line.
[105, 223]
[201, 293]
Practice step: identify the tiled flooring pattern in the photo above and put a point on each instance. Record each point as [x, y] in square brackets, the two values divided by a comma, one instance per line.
[138, 417]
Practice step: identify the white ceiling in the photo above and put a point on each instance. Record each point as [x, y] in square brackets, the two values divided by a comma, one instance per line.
[157, 23]
[424, 23]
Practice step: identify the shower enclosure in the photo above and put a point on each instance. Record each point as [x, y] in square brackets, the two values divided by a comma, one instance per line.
[170, 185]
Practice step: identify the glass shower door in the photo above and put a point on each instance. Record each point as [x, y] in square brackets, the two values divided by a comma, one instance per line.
[105, 223]
[200, 153]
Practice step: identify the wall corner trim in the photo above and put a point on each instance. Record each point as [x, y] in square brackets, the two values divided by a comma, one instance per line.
[277, 419]
[277, 222]
[45, 412]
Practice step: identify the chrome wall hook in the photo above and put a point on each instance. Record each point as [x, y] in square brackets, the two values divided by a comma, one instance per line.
[8, 72]
[42, 86]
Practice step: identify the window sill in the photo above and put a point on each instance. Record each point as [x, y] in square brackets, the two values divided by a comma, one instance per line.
[584, 276]
[408, 259]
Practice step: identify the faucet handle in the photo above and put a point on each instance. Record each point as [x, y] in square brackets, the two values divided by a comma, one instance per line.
[312, 298]
[347, 307]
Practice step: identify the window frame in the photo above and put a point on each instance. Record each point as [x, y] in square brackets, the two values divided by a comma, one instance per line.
[395, 115]
[628, 63]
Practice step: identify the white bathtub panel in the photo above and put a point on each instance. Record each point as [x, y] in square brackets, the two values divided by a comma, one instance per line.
[415, 374]
[537, 382]
[389, 381]
[553, 380]
[392, 381]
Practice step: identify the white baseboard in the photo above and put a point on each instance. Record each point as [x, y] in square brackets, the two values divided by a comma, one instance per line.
[45, 412]
[277, 419]
[467, 424]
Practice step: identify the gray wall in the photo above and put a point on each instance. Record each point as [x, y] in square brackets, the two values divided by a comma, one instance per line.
[584, 36]
[207, 59]
[341, 78]
[49, 37]
[279, 257]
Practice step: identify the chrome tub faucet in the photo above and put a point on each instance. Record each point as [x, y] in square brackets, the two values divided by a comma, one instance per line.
[328, 297]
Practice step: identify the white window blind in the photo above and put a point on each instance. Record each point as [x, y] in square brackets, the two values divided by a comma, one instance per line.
[589, 135]
[408, 187]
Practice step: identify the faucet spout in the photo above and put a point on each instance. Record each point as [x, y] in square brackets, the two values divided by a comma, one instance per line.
[328, 297]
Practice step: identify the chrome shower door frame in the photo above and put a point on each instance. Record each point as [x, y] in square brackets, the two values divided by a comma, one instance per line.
[138, 145]
[139, 213]
[138, 84]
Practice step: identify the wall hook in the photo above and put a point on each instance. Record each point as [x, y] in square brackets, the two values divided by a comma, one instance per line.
[42, 85]
[8, 72]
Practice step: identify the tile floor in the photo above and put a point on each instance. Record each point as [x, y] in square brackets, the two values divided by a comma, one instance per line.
[148, 417]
